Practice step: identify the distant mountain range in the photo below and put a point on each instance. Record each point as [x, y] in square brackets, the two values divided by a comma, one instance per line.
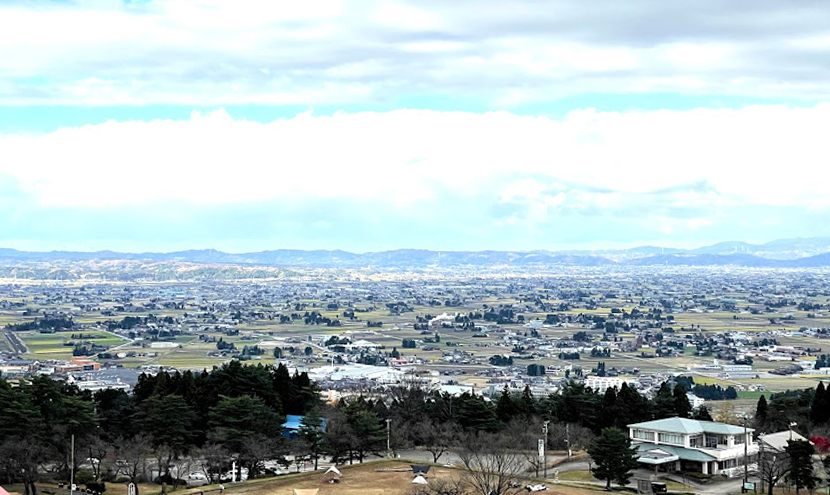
[785, 253]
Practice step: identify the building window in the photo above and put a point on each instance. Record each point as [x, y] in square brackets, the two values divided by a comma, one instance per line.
[696, 441]
[671, 438]
[712, 441]
[739, 439]
[644, 435]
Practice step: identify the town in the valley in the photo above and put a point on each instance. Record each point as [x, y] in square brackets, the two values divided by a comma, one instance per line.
[685, 379]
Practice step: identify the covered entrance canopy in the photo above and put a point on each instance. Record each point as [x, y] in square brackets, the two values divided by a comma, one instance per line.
[656, 457]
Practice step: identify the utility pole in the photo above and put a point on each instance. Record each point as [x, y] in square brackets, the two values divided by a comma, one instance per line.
[568, 439]
[388, 437]
[545, 444]
[746, 456]
[761, 461]
[72, 466]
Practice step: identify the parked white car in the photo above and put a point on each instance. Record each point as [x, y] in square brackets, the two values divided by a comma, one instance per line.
[243, 475]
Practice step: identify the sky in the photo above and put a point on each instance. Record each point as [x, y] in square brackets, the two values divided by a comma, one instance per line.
[161, 125]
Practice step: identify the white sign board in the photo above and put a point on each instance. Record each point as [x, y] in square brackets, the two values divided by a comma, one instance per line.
[541, 448]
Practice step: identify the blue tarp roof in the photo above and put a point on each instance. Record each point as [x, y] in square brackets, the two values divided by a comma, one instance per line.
[293, 422]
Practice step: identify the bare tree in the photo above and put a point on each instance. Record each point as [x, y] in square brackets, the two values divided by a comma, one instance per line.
[163, 455]
[561, 435]
[492, 466]
[263, 449]
[440, 486]
[132, 456]
[524, 435]
[25, 456]
[212, 459]
[98, 451]
[436, 438]
[183, 466]
[772, 467]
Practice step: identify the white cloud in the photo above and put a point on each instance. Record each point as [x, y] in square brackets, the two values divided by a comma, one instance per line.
[687, 161]
[696, 223]
[336, 52]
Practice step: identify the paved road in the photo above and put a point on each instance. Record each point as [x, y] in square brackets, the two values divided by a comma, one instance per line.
[453, 458]
[17, 345]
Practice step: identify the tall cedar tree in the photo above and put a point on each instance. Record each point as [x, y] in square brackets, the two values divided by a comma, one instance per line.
[631, 407]
[820, 409]
[681, 402]
[609, 407]
[505, 407]
[761, 413]
[664, 406]
[801, 465]
[528, 402]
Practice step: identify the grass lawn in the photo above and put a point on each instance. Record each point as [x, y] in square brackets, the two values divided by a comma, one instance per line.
[746, 394]
[587, 476]
[577, 476]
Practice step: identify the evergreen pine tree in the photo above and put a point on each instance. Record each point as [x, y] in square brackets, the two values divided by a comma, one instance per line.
[311, 434]
[702, 414]
[614, 457]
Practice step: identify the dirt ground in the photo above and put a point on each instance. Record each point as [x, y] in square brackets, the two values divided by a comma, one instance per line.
[356, 480]
[363, 480]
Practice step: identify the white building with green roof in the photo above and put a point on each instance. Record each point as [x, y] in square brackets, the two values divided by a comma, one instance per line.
[681, 444]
